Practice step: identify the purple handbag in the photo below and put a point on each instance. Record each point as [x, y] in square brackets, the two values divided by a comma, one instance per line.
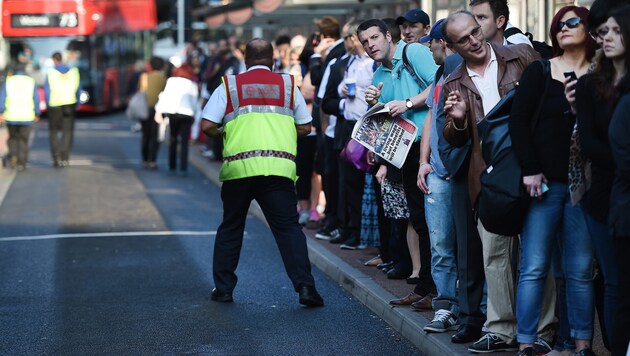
[356, 153]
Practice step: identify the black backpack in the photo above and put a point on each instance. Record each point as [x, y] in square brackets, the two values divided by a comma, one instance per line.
[503, 202]
[545, 50]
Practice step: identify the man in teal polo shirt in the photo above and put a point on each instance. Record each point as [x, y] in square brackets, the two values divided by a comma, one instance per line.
[405, 96]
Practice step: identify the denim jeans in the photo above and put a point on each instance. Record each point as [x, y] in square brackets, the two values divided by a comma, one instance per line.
[439, 216]
[545, 218]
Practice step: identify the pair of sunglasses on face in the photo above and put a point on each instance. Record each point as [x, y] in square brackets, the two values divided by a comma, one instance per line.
[570, 23]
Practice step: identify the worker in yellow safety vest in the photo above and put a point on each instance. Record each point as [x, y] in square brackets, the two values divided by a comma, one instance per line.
[62, 88]
[260, 115]
[19, 109]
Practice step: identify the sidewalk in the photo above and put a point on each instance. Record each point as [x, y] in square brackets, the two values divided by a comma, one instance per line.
[368, 285]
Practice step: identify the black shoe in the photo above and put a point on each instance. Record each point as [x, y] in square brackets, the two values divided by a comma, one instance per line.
[467, 333]
[310, 297]
[336, 237]
[221, 297]
[350, 244]
[492, 343]
[396, 274]
[385, 265]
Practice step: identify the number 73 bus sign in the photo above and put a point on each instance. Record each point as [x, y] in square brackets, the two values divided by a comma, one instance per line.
[67, 19]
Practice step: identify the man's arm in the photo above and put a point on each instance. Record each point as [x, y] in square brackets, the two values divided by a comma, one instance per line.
[451, 156]
[303, 130]
[399, 107]
[213, 112]
[301, 115]
[425, 151]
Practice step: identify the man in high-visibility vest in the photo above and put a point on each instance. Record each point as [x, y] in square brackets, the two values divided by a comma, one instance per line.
[261, 115]
[61, 88]
[19, 108]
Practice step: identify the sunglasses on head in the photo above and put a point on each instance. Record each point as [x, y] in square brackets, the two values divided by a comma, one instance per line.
[571, 23]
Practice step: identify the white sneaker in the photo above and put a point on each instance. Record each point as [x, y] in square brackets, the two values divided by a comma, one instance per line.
[444, 320]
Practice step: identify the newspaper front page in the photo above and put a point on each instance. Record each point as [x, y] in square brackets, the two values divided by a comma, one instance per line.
[390, 138]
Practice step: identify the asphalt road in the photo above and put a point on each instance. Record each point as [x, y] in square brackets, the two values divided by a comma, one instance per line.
[104, 258]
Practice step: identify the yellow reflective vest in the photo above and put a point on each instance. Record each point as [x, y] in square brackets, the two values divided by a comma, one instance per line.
[63, 87]
[259, 137]
[19, 104]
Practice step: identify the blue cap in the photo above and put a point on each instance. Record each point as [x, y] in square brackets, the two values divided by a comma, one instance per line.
[414, 16]
[435, 34]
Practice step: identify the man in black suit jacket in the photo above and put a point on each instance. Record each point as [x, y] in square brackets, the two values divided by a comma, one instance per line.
[329, 48]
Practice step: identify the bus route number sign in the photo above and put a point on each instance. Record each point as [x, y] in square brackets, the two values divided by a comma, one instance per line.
[65, 19]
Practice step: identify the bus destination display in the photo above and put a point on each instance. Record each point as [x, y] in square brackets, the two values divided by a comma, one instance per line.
[65, 20]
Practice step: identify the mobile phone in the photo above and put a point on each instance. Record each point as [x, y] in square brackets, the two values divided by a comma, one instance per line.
[571, 75]
[544, 188]
[316, 38]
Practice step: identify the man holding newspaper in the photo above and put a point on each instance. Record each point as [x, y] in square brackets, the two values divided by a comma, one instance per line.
[404, 90]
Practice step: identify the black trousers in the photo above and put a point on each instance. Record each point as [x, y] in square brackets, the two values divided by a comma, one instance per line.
[621, 327]
[178, 141]
[469, 255]
[305, 165]
[276, 197]
[415, 202]
[60, 131]
[18, 142]
[149, 144]
[330, 183]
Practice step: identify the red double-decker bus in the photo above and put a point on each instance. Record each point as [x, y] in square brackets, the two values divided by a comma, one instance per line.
[102, 38]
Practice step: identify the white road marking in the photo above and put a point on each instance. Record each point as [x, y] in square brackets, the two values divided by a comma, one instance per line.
[108, 234]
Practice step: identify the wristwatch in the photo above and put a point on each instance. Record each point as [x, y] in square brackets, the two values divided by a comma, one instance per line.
[408, 104]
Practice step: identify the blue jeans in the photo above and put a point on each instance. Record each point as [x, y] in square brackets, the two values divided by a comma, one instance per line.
[439, 216]
[604, 249]
[545, 218]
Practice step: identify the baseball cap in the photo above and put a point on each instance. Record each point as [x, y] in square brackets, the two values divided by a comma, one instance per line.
[435, 34]
[414, 16]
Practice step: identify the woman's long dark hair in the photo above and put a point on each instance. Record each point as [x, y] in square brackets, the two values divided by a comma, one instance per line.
[604, 73]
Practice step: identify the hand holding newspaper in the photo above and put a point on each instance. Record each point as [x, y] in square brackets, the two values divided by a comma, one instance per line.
[389, 137]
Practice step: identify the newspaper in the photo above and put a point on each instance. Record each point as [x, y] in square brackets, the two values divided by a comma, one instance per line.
[389, 138]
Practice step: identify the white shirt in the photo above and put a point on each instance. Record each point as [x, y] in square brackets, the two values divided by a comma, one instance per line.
[360, 68]
[178, 97]
[332, 119]
[517, 38]
[215, 108]
[487, 84]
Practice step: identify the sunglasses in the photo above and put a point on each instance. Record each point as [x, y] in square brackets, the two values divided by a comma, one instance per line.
[571, 23]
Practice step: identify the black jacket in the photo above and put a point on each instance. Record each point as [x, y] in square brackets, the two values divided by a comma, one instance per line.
[618, 132]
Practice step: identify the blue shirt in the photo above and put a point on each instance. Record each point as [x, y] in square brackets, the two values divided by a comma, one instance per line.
[432, 102]
[398, 84]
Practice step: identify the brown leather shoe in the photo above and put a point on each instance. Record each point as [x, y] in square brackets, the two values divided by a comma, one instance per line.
[424, 303]
[408, 300]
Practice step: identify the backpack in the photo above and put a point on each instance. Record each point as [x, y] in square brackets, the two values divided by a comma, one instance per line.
[503, 201]
[545, 50]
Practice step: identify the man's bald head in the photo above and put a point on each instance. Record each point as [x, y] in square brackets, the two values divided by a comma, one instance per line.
[259, 52]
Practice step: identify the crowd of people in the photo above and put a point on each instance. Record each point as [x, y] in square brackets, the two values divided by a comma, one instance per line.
[535, 292]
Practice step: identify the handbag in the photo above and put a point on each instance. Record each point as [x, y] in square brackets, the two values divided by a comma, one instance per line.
[355, 153]
[162, 127]
[138, 107]
[394, 200]
[503, 202]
